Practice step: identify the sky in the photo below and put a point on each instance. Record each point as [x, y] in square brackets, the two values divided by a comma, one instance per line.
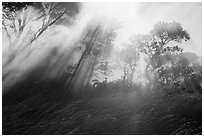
[140, 18]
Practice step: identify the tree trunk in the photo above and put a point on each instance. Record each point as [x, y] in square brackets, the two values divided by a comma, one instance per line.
[90, 73]
[87, 51]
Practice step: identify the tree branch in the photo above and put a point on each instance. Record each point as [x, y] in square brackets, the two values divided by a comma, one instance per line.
[44, 28]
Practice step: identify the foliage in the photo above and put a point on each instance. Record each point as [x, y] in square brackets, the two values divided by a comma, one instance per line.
[97, 43]
[183, 71]
[29, 19]
[129, 56]
[155, 44]
[166, 32]
[13, 6]
[113, 112]
[42, 104]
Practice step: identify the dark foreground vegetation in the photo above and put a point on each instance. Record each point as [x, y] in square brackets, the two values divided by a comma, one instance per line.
[55, 83]
[42, 109]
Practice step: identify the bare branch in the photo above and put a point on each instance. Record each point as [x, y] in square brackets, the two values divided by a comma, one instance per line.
[44, 28]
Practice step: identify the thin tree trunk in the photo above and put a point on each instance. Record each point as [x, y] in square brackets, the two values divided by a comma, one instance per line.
[89, 46]
[90, 71]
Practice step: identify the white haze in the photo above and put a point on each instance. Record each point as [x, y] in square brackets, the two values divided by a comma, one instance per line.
[136, 18]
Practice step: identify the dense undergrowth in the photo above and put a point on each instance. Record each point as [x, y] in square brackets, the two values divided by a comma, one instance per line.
[41, 107]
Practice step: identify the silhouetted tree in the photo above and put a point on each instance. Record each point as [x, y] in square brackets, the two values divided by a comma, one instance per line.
[25, 22]
[156, 45]
[97, 43]
[183, 72]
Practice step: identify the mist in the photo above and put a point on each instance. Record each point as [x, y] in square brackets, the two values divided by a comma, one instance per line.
[140, 16]
[102, 68]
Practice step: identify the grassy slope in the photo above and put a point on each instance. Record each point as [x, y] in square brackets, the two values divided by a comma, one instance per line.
[109, 111]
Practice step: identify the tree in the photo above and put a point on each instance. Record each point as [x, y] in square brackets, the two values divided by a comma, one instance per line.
[162, 34]
[97, 42]
[166, 32]
[184, 72]
[129, 57]
[25, 22]
[157, 47]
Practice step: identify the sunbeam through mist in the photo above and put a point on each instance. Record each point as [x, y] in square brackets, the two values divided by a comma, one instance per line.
[101, 68]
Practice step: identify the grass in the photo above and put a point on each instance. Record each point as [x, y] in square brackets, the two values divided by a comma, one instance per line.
[110, 111]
